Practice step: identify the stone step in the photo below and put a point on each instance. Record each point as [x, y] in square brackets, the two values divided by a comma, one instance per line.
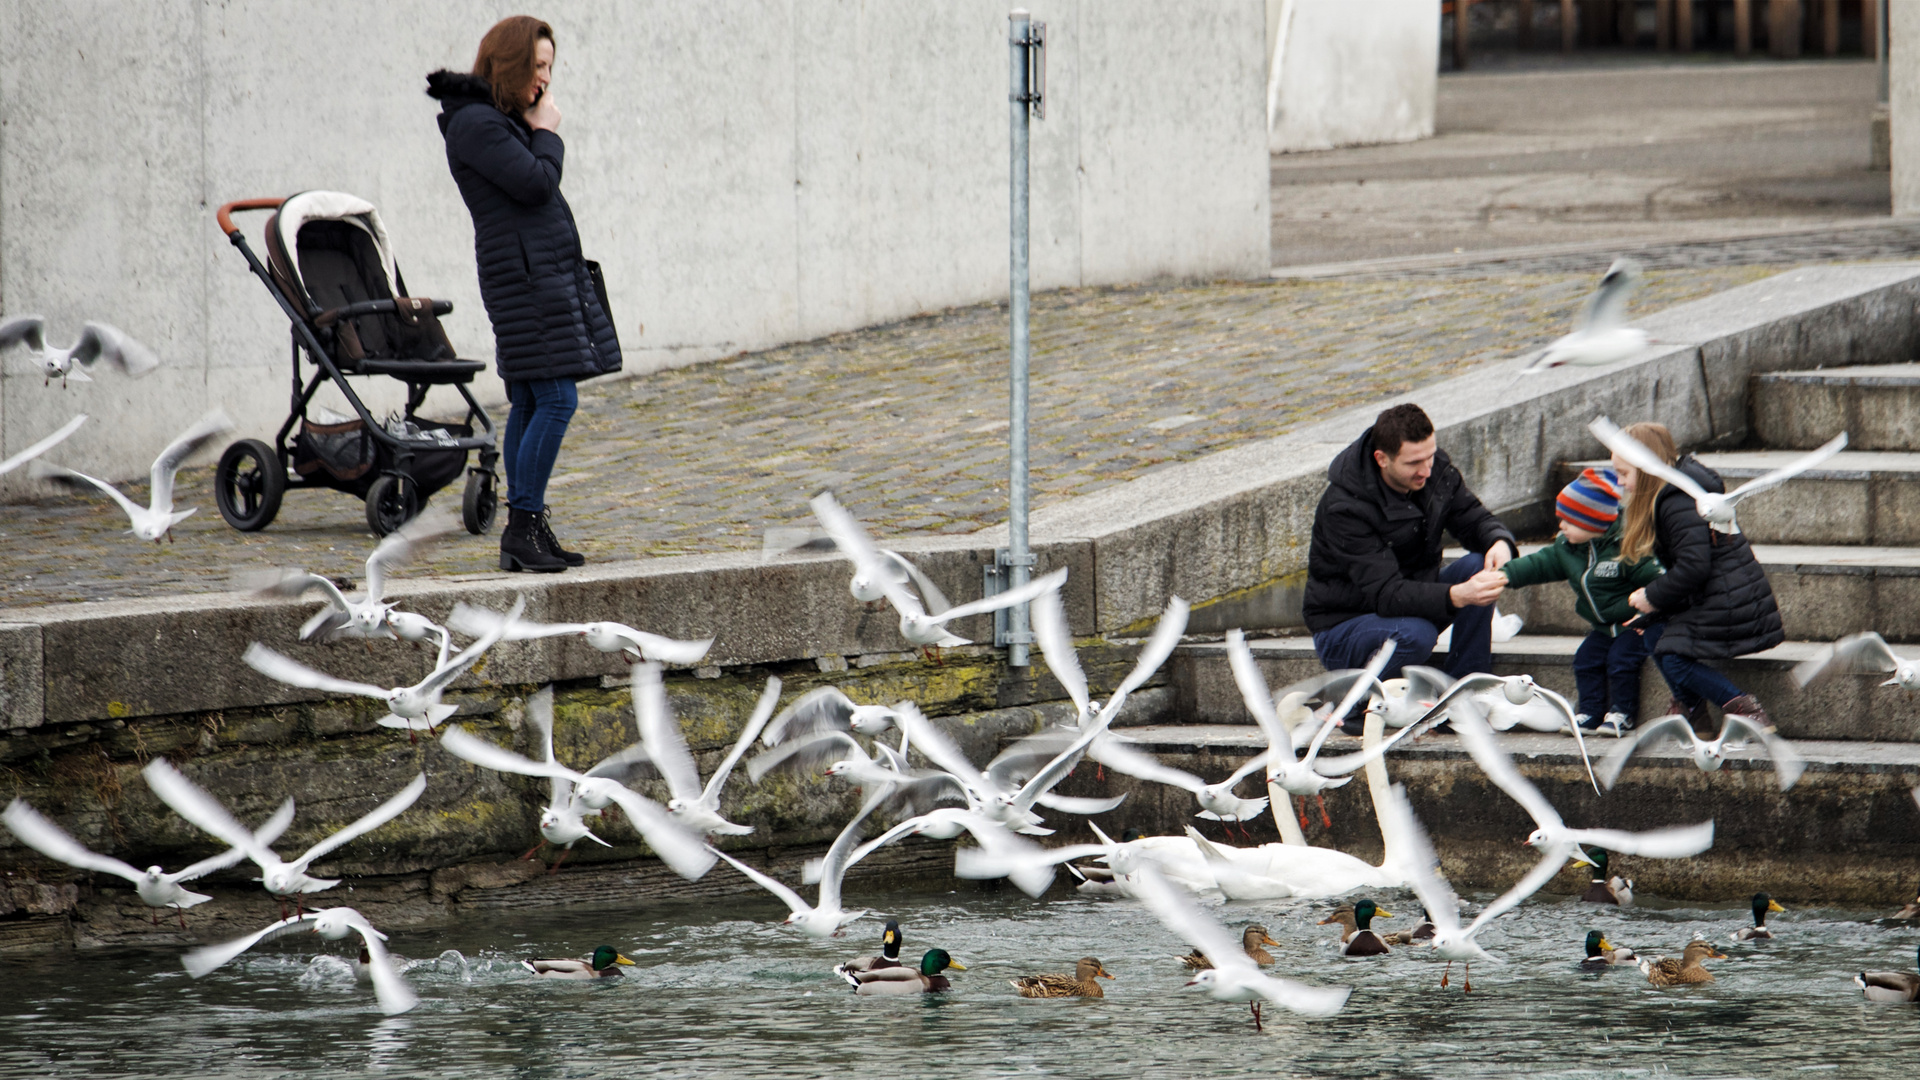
[1824, 593]
[1877, 405]
[1856, 497]
[1843, 707]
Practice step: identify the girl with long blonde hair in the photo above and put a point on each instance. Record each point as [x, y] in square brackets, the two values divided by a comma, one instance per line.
[1712, 603]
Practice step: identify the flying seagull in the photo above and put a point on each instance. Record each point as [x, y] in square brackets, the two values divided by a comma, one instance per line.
[1716, 507]
[157, 519]
[1600, 335]
[98, 343]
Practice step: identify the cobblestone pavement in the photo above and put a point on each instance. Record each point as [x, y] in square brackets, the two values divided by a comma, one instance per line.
[906, 422]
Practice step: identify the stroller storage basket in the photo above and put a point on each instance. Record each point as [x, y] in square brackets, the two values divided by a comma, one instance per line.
[330, 269]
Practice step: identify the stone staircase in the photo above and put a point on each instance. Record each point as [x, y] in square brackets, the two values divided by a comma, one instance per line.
[1841, 546]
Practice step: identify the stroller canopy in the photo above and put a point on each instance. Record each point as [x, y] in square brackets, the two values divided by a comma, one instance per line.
[308, 208]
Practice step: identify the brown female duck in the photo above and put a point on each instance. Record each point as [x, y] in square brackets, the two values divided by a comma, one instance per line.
[1686, 971]
[1252, 940]
[1084, 982]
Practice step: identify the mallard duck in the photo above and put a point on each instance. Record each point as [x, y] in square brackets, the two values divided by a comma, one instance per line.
[1601, 954]
[904, 981]
[1762, 903]
[1889, 985]
[1604, 889]
[1422, 932]
[1251, 940]
[1357, 937]
[889, 957]
[1685, 971]
[1084, 982]
[605, 963]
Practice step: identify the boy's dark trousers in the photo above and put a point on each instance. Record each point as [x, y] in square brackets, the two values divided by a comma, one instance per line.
[1606, 670]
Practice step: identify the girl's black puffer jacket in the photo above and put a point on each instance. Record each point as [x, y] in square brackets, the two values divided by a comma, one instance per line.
[1714, 594]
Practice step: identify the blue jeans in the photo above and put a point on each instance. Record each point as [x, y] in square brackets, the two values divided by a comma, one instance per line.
[1607, 672]
[541, 409]
[1352, 643]
[1690, 680]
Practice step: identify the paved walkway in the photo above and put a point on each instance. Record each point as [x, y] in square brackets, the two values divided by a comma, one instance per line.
[906, 422]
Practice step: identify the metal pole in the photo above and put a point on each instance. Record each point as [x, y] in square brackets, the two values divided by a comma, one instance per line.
[1880, 44]
[1018, 559]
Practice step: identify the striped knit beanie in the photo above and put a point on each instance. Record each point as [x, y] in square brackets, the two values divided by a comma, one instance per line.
[1591, 502]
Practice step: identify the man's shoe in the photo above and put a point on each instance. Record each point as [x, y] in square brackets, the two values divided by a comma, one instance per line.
[552, 542]
[523, 548]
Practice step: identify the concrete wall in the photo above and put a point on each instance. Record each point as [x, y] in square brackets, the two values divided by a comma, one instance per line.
[1903, 100]
[748, 173]
[1346, 74]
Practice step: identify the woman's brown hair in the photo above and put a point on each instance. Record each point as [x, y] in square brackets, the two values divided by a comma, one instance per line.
[1636, 540]
[505, 60]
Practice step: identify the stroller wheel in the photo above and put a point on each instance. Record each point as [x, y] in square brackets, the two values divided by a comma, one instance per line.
[479, 505]
[392, 502]
[248, 485]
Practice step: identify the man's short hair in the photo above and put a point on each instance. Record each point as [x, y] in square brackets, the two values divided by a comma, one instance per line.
[1398, 426]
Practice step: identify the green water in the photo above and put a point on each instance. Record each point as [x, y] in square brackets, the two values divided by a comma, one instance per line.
[719, 990]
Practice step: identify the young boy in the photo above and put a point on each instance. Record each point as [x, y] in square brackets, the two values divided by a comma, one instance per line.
[1586, 555]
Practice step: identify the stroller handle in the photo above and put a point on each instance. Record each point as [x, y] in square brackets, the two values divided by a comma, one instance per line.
[225, 214]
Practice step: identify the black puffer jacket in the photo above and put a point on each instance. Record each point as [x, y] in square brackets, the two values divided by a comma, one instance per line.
[547, 319]
[1377, 552]
[1714, 594]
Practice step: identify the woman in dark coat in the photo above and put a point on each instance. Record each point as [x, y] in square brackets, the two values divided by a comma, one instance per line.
[549, 327]
[1714, 601]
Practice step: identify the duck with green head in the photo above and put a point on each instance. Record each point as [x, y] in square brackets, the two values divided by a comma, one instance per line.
[905, 981]
[890, 940]
[605, 963]
[1357, 936]
[1601, 953]
[1603, 889]
[1762, 904]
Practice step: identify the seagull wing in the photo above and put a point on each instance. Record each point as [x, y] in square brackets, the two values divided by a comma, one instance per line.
[1179, 914]
[1552, 858]
[1478, 739]
[464, 659]
[393, 993]
[852, 540]
[204, 431]
[294, 673]
[761, 712]
[1141, 765]
[1648, 734]
[1049, 617]
[666, 744]
[1565, 710]
[1680, 842]
[27, 329]
[1368, 680]
[1253, 690]
[934, 745]
[202, 810]
[808, 753]
[399, 546]
[683, 852]
[1790, 470]
[1787, 762]
[1606, 306]
[1010, 598]
[787, 896]
[50, 840]
[1636, 454]
[936, 601]
[68, 478]
[461, 743]
[98, 341]
[43, 445]
[199, 962]
[1854, 653]
[1420, 862]
[1160, 645]
[833, 869]
[368, 822]
[822, 709]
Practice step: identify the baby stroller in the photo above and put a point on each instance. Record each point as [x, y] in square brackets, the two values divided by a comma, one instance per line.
[330, 267]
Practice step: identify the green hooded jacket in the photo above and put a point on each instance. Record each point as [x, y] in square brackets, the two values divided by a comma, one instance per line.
[1601, 583]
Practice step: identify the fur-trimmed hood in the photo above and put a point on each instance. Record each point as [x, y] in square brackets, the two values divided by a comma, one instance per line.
[451, 86]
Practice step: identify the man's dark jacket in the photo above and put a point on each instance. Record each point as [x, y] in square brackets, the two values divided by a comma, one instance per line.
[1714, 595]
[547, 320]
[1377, 552]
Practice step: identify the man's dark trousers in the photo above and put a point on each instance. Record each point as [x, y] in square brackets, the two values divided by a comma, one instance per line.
[1352, 643]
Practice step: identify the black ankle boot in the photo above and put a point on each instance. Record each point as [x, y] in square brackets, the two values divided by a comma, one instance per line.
[523, 546]
[571, 558]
